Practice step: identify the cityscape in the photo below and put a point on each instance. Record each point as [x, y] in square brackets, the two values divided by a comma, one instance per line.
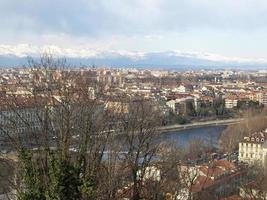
[133, 107]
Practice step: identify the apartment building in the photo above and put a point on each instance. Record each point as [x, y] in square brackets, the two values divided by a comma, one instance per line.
[231, 102]
[183, 88]
[179, 106]
[219, 179]
[253, 149]
[261, 97]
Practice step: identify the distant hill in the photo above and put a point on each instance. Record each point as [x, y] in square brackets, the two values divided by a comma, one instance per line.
[167, 60]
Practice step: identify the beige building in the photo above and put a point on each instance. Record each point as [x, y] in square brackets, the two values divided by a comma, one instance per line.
[179, 105]
[183, 89]
[261, 97]
[253, 149]
[117, 106]
[230, 102]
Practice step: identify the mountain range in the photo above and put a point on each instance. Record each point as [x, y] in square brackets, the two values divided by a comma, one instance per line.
[15, 56]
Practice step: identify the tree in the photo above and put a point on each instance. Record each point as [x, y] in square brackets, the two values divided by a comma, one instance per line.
[140, 131]
[59, 133]
[255, 183]
[68, 145]
[233, 134]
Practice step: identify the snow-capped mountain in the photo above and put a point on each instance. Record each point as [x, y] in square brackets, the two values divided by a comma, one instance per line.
[16, 55]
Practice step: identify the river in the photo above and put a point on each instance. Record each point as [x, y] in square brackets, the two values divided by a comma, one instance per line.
[182, 137]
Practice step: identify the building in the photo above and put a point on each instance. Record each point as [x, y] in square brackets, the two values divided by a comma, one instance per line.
[183, 88]
[231, 102]
[253, 149]
[206, 101]
[117, 106]
[150, 173]
[261, 97]
[218, 179]
[179, 105]
[173, 105]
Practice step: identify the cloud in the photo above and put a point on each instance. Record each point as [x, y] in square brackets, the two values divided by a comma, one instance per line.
[101, 17]
[217, 26]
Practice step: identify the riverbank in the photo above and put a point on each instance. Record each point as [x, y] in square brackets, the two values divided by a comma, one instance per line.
[177, 127]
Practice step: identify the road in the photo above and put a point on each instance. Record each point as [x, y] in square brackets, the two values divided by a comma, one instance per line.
[177, 127]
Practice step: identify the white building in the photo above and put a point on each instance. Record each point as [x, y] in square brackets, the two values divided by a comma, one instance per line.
[179, 105]
[253, 149]
[183, 89]
[150, 173]
[261, 97]
[230, 102]
[173, 105]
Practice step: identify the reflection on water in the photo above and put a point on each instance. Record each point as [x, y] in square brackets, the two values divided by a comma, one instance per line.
[181, 138]
[209, 135]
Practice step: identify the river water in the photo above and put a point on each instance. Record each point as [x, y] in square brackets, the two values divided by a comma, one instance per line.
[209, 135]
[182, 137]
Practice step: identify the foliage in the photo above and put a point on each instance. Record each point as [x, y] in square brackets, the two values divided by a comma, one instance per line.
[181, 119]
[64, 180]
[33, 187]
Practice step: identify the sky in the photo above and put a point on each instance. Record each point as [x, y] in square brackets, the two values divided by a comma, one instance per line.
[225, 29]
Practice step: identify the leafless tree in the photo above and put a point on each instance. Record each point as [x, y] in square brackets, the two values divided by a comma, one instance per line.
[254, 184]
[233, 134]
[56, 120]
[139, 132]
